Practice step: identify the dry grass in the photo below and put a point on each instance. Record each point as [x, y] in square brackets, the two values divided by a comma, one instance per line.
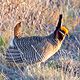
[39, 17]
[36, 15]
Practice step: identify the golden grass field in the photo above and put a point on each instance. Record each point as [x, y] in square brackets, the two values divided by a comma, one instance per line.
[39, 17]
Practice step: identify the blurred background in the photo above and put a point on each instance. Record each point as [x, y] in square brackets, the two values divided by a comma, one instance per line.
[39, 18]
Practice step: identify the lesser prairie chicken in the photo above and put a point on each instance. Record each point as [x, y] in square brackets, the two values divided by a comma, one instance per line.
[36, 48]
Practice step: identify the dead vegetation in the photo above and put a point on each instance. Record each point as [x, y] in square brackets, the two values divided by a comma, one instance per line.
[39, 17]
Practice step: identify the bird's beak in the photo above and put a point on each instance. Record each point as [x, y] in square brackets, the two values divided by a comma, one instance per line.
[67, 35]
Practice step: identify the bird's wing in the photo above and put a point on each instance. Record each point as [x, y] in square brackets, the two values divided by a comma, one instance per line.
[13, 54]
[27, 49]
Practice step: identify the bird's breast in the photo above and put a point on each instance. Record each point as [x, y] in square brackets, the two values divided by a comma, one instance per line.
[50, 50]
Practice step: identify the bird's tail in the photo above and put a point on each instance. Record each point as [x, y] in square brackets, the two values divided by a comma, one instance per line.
[17, 30]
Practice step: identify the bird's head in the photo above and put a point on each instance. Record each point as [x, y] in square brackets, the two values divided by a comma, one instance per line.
[64, 30]
[61, 31]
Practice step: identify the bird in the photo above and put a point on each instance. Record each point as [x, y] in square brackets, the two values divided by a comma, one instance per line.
[34, 49]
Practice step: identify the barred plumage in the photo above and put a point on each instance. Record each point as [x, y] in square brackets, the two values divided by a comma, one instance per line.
[30, 49]
[36, 49]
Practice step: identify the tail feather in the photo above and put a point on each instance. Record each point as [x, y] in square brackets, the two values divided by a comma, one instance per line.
[17, 30]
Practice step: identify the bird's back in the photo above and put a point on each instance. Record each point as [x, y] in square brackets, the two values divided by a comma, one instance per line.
[26, 49]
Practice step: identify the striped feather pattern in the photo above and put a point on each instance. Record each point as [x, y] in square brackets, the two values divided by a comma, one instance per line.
[26, 49]
[34, 49]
